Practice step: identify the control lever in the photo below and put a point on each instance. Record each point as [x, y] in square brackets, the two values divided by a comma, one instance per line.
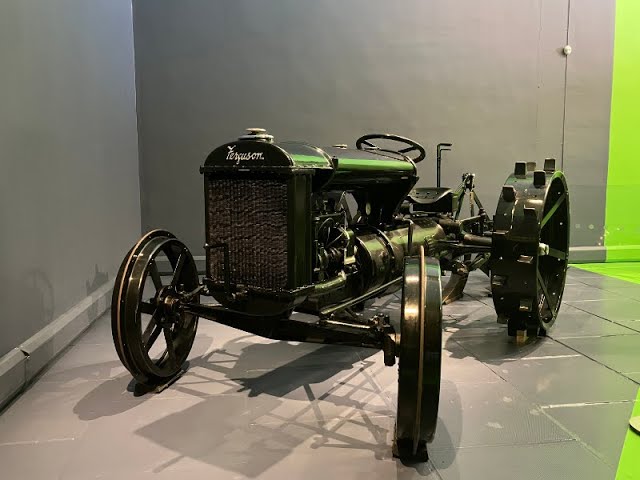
[442, 147]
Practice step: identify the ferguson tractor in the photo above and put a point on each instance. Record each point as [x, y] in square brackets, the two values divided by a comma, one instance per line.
[293, 227]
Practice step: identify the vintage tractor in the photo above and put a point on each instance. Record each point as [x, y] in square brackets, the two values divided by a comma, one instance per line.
[292, 227]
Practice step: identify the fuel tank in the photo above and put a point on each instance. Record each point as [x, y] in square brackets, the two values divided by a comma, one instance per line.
[332, 168]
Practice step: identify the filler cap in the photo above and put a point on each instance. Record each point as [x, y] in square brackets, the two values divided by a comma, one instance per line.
[257, 134]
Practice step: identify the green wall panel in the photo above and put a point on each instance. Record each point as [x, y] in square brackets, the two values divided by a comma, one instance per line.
[622, 235]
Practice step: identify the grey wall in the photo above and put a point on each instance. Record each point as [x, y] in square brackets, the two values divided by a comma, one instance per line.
[589, 78]
[69, 186]
[488, 76]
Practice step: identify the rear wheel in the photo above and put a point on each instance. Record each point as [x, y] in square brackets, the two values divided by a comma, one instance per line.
[420, 357]
[529, 256]
[152, 336]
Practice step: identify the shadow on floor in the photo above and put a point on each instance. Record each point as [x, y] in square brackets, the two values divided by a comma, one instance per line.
[110, 397]
[256, 426]
[114, 395]
[481, 337]
[327, 398]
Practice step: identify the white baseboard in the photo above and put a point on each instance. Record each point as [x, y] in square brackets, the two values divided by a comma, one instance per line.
[587, 254]
[23, 363]
[13, 375]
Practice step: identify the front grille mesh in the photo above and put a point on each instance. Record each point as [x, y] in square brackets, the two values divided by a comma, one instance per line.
[250, 215]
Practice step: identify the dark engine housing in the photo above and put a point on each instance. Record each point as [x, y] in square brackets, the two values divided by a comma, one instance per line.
[289, 224]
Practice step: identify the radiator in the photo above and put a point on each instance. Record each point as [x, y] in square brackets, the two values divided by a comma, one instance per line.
[250, 216]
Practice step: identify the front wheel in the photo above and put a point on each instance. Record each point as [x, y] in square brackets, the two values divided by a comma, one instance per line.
[420, 358]
[152, 336]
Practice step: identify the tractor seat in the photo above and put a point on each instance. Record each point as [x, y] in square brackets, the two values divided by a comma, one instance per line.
[436, 200]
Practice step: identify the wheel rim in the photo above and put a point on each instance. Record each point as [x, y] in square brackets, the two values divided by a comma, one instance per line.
[552, 268]
[420, 352]
[152, 336]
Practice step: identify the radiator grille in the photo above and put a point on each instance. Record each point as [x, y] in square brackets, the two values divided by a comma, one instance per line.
[250, 215]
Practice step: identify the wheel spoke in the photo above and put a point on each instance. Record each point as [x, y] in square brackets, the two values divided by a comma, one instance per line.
[153, 337]
[553, 209]
[548, 299]
[155, 276]
[146, 335]
[559, 254]
[179, 266]
[148, 308]
[170, 347]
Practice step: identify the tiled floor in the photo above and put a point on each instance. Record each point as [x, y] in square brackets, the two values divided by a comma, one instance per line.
[556, 408]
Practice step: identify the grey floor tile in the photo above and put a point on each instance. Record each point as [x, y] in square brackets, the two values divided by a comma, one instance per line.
[457, 367]
[248, 352]
[613, 310]
[573, 322]
[497, 348]
[36, 461]
[352, 447]
[87, 362]
[267, 439]
[620, 353]
[552, 461]
[633, 325]
[588, 293]
[634, 376]
[576, 272]
[629, 291]
[40, 416]
[126, 441]
[476, 321]
[572, 281]
[568, 380]
[255, 408]
[606, 436]
[490, 414]
[601, 281]
[466, 307]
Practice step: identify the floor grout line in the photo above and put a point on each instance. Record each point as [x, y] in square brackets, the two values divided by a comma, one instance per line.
[585, 404]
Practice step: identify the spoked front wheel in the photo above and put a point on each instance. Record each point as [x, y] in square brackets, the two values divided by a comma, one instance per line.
[420, 358]
[152, 336]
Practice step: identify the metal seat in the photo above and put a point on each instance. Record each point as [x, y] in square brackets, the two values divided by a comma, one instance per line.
[432, 199]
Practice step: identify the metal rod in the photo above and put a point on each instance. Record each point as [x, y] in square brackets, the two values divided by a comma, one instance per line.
[439, 149]
[327, 312]
[287, 329]
[226, 268]
[477, 240]
[331, 285]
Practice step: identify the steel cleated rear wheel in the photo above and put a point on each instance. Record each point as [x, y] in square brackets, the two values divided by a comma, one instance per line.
[152, 336]
[420, 358]
[529, 256]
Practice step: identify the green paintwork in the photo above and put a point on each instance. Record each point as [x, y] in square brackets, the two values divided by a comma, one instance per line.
[622, 233]
[629, 465]
[354, 164]
[310, 161]
[622, 271]
[374, 165]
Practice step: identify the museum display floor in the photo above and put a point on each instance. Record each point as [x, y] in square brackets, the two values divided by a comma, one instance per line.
[556, 408]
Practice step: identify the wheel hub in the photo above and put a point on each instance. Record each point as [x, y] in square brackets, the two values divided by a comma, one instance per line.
[169, 301]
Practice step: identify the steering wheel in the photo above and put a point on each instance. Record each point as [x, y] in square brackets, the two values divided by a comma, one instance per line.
[364, 143]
